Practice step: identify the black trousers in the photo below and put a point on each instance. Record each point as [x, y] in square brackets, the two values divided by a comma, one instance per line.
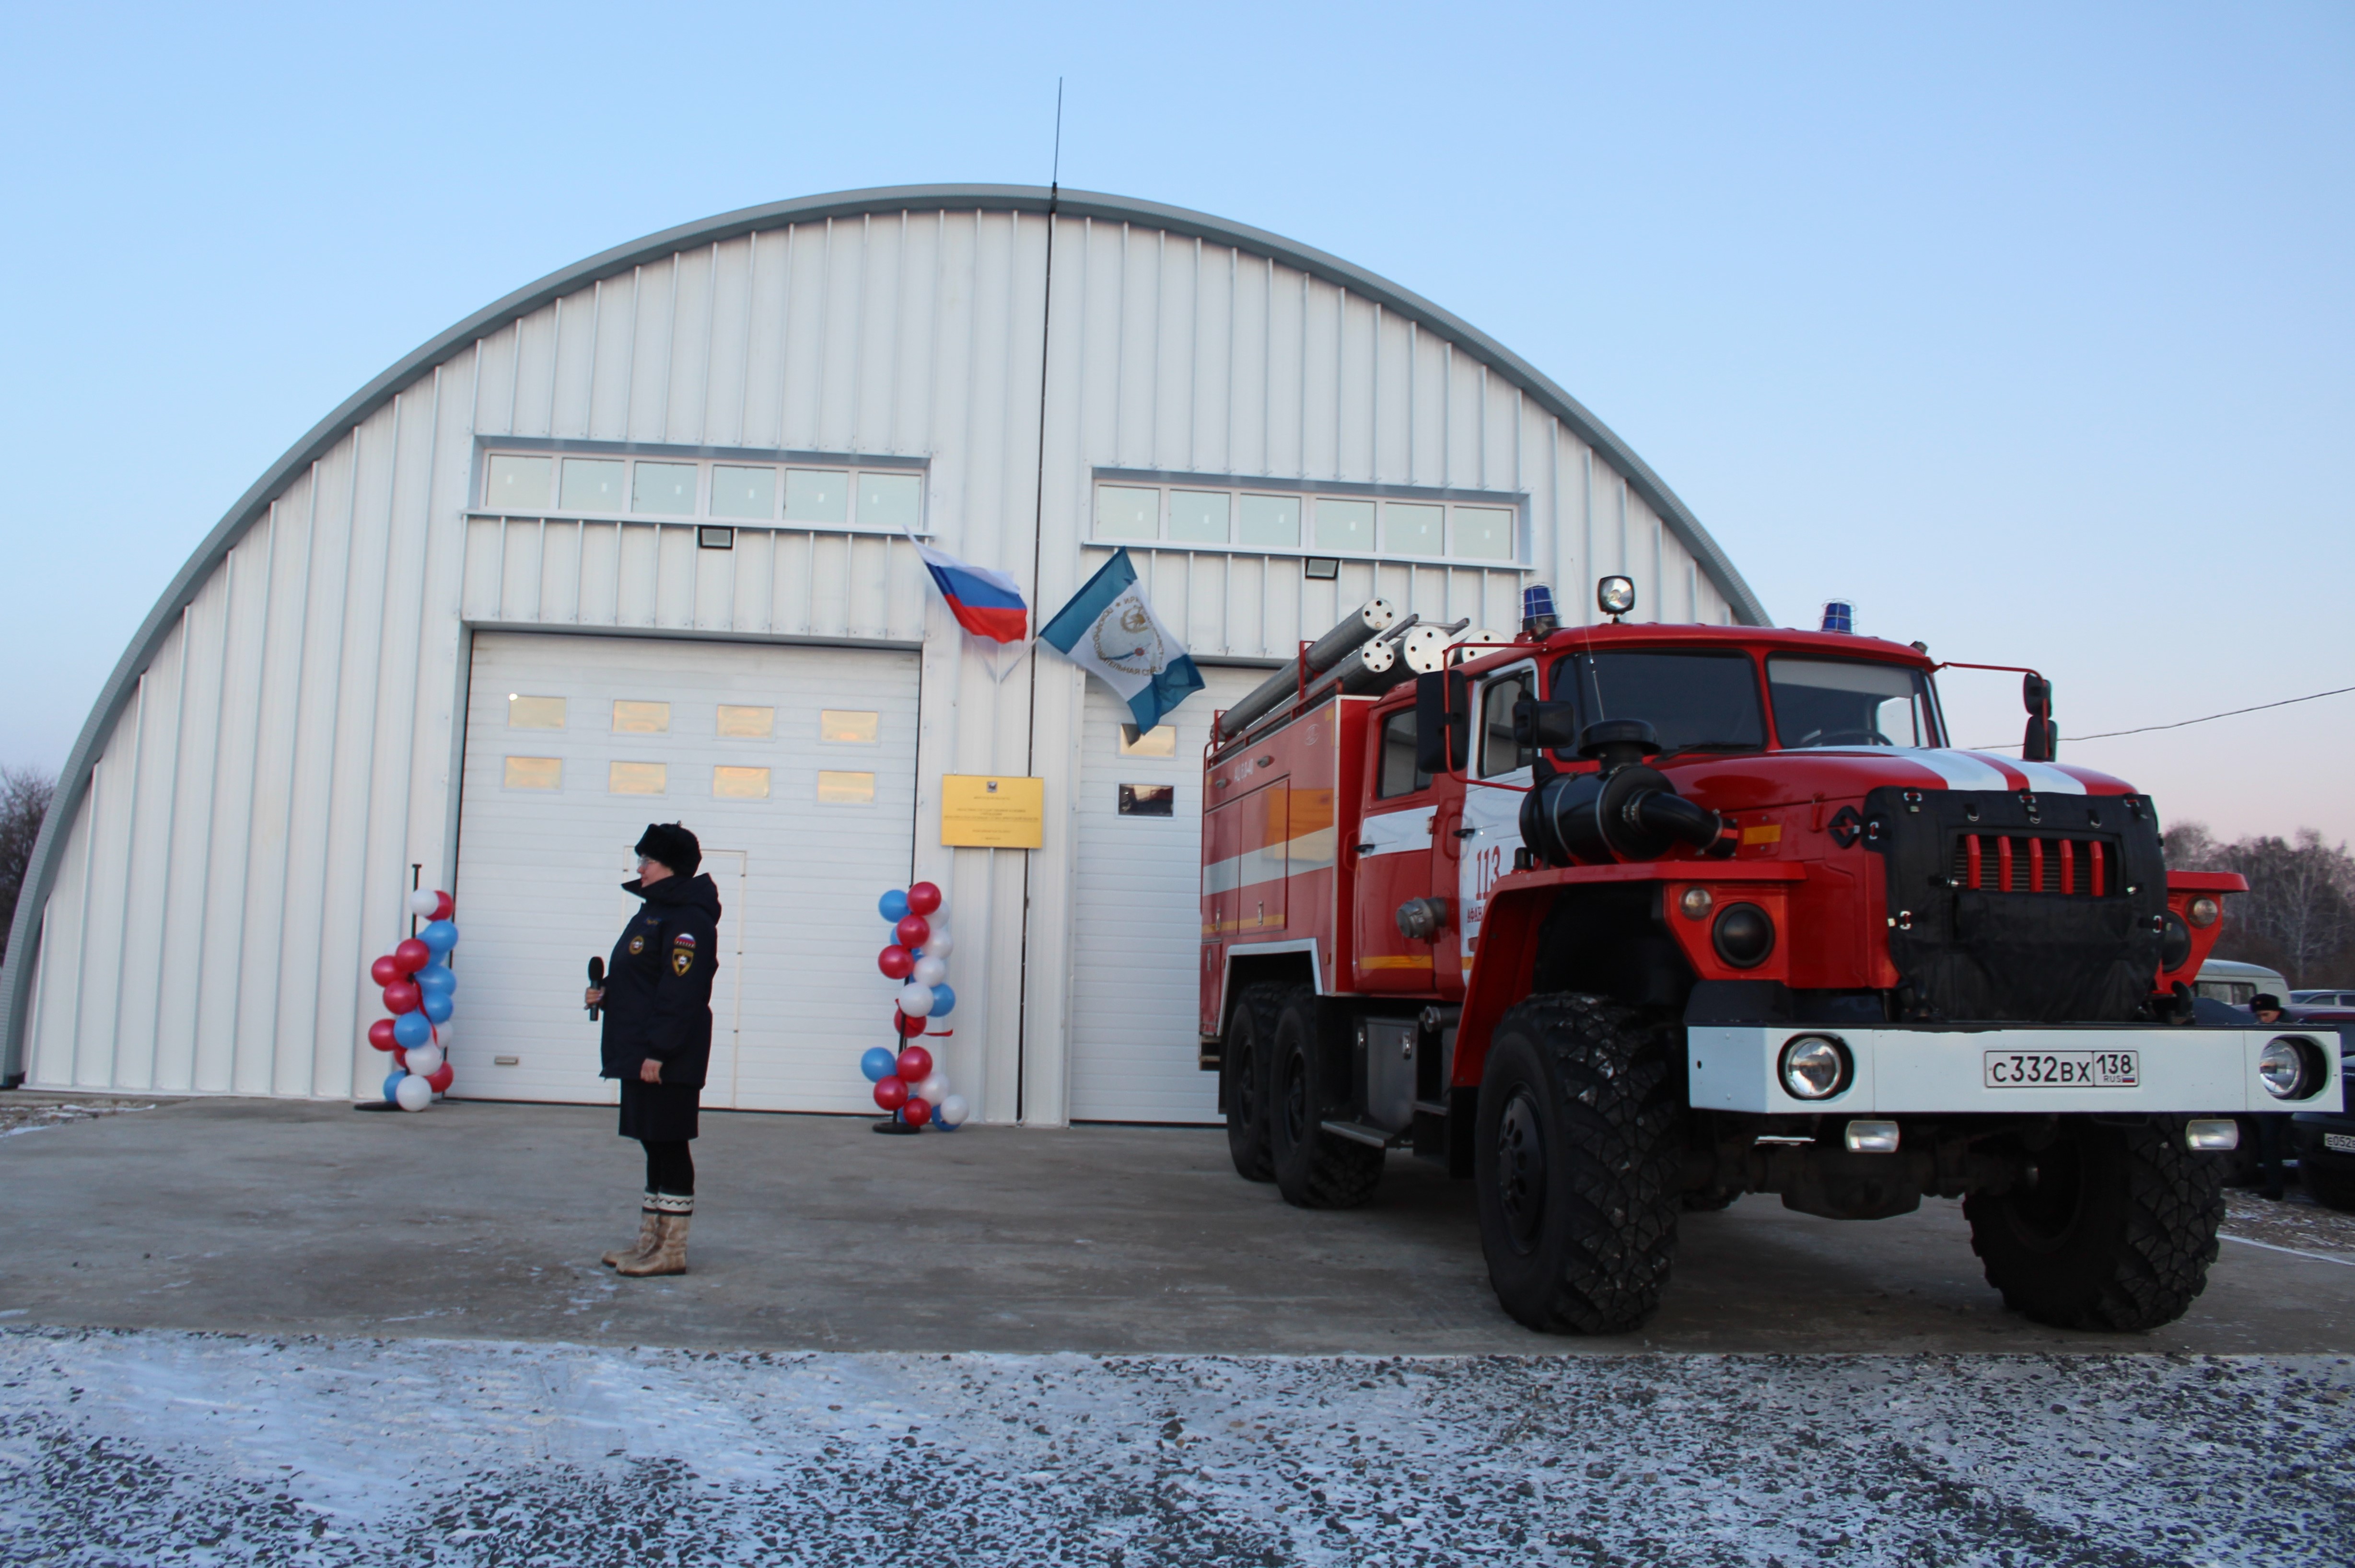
[669, 1167]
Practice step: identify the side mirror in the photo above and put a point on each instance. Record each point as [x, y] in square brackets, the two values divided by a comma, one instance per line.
[1548, 726]
[2042, 742]
[1442, 722]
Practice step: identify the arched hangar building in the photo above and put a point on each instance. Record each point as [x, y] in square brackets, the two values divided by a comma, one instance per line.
[632, 543]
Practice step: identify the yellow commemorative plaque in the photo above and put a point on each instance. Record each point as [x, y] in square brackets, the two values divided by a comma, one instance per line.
[978, 811]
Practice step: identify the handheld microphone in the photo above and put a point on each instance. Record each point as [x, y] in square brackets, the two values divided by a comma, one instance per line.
[596, 981]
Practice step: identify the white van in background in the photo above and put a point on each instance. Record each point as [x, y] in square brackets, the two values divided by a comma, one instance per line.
[2229, 980]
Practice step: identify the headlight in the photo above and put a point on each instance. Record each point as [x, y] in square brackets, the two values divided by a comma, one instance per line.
[1696, 903]
[1816, 1067]
[1742, 935]
[2174, 941]
[2203, 911]
[2291, 1067]
[1615, 595]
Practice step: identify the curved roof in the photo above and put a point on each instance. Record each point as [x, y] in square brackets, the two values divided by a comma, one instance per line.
[74, 780]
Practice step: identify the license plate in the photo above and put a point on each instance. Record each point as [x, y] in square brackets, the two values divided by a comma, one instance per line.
[2063, 1070]
[2339, 1143]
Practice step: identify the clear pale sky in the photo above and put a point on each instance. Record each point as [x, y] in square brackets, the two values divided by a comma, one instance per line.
[2031, 329]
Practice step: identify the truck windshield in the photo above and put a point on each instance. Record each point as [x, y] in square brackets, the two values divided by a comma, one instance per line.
[1849, 702]
[1691, 700]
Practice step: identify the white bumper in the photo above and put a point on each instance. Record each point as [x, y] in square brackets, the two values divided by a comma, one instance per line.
[2190, 1072]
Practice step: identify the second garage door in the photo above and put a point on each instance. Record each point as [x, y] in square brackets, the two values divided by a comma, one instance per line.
[794, 766]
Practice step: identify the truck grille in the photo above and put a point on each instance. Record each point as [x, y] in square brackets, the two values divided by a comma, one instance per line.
[2026, 863]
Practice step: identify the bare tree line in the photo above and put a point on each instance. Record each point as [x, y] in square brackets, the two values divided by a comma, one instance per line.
[25, 796]
[2298, 915]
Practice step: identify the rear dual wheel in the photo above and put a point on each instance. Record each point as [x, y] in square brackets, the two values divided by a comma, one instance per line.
[1242, 1074]
[1309, 1082]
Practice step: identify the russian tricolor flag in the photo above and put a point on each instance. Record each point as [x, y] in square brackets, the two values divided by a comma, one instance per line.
[984, 602]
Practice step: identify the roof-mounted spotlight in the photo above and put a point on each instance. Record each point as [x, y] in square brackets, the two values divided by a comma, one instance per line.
[1615, 596]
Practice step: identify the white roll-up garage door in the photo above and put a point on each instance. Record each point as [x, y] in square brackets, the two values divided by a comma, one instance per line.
[794, 766]
[1136, 917]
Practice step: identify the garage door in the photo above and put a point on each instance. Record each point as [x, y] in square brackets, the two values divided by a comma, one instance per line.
[797, 769]
[1136, 935]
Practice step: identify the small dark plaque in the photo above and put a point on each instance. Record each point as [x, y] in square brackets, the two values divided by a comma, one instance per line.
[1148, 800]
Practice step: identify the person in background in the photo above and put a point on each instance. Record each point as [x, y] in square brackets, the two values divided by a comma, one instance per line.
[2272, 1126]
[657, 1039]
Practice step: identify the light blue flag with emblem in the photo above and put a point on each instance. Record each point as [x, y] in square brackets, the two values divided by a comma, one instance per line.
[1109, 628]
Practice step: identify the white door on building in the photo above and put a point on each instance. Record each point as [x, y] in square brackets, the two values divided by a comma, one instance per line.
[1136, 913]
[795, 768]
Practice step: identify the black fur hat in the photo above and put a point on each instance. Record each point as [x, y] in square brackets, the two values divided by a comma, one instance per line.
[673, 846]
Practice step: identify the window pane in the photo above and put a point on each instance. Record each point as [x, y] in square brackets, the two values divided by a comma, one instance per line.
[1399, 774]
[741, 784]
[535, 712]
[1689, 698]
[753, 723]
[1148, 800]
[1270, 521]
[1198, 517]
[592, 484]
[846, 789]
[641, 718]
[1161, 741]
[667, 488]
[890, 500]
[1848, 702]
[744, 492]
[1410, 529]
[518, 483]
[1344, 525]
[1499, 754]
[535, 773]
[1123, 512]
[1483, 533]
[637, 778]
[817, 495]
[848, 727]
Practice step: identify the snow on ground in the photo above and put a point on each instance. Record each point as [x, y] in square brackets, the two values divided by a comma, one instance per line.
[170, 1448]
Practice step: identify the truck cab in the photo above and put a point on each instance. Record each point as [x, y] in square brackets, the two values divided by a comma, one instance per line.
[1625, 920]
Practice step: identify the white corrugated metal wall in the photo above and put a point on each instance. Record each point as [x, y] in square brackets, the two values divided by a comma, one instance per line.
[290, 748]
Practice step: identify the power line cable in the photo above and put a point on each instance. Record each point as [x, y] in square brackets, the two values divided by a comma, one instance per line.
[2184, 723]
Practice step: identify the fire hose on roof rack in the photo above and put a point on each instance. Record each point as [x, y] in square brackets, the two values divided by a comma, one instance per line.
[1373, 616]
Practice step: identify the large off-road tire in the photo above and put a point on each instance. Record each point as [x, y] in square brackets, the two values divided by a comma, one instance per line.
[1243, 1073]
[1578, 1157]
[1308, 1082]
[2117, 1234]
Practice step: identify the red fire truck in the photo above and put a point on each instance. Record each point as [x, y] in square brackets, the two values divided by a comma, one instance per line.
[1625, 920]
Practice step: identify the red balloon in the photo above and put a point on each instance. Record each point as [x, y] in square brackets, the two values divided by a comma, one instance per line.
[896, 961]
[913, 931]
[891, 1094]
[412, 956]
[400, 1058]
[915, 1064]
[923, 899]
[440, 1078]
[442, 905]
[386, 970]
[400, 996]
[915, 1113]
[380, 1035]
[906, 1025]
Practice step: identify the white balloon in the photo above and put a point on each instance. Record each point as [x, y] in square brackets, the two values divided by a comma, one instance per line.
[424, 901]
[930, 971]
[441, 1033]
[414, 1094]
[938, 945]
[933, 1091]
[425, 1061]
[950, 1111]
[915, 1000]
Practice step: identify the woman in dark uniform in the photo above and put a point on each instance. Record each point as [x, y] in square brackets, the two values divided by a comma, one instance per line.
[657, 1039]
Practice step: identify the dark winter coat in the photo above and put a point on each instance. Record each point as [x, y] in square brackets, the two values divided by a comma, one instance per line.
[658, 983]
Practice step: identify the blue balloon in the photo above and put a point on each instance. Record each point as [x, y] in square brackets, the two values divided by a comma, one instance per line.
[878, 1065]
[893, 905]
[434, 980]
[440, 936]
[392, 1085]
[436, 1006]
[941, 1125]
[411, 1030]
[943, 1000]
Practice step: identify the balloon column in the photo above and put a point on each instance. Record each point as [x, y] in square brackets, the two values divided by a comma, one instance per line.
[419, 992]
[908, 1082]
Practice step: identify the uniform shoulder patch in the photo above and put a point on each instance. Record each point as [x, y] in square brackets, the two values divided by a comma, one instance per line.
[682, 953]
[637, 945]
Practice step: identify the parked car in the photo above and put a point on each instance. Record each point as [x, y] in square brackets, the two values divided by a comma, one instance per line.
[2229, 980]
[2324, 1141]
[2322, 998]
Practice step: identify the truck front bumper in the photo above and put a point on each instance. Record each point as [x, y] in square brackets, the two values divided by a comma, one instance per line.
[2033, 1070]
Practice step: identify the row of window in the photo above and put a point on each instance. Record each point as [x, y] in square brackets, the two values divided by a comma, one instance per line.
[547, 774]
[675, 487]
[835, 726]
[1346, 524]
